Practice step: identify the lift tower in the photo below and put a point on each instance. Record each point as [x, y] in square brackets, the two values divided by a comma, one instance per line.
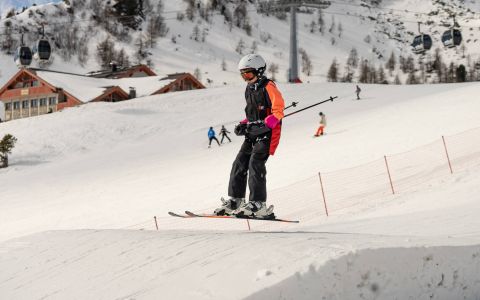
[293, 5]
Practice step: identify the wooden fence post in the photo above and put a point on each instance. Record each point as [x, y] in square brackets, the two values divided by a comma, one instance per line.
[448, 158]
[323, 194]
[156, 223]
[389, 176]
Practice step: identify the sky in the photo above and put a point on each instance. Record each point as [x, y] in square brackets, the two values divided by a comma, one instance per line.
[79, 199]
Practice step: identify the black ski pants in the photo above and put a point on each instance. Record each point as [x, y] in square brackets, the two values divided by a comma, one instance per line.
[250, 164]
[225, 136]
[211, 139]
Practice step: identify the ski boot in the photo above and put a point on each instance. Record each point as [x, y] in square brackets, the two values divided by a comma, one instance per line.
[229, 206]
[255, 209]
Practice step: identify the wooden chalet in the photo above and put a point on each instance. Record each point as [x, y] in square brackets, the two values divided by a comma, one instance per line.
[180, 82]
[116, 72]
[33, 92]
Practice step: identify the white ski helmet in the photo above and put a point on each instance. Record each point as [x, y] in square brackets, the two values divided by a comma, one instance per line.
[253, 61]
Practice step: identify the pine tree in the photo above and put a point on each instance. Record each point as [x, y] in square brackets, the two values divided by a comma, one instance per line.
[224, 65]
[129, 12]
[8, 41]
[332, 75]
[412, 79]
[461, 73]
[392, 61]
[397, 80]
[364, 76]
[332, 26]
[321, 22]
[254, 47]
[141, 53]
[352, 59]
[312, 26]
[105, 52]
[381, 78]
[6, 146]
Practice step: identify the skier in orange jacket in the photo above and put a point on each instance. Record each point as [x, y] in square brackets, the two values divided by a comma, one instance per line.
[261, 128]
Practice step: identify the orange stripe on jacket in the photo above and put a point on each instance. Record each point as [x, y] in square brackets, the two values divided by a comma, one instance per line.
[278, 105]
[276, 99]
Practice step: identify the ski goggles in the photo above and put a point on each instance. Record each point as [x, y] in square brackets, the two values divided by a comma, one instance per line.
[248, 74]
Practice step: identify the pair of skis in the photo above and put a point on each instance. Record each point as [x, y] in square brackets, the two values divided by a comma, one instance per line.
[189, 214]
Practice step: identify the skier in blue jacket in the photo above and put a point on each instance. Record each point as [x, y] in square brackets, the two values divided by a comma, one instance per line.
[211, 136]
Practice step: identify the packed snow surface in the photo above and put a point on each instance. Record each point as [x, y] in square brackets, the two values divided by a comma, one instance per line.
[77, 204]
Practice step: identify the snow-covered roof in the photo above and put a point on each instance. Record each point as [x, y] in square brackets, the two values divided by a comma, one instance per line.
[87, 88]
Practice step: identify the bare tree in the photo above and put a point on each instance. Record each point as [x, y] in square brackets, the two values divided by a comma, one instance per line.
[273, 69]
[224, 65]
[307, 66]
[240, 46]
[197, 73]
[195, 33]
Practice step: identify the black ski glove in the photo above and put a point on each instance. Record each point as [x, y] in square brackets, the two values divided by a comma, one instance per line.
[256, 130]
[240, 129]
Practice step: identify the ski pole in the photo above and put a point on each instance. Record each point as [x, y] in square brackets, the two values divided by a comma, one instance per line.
[294, 104]
[297, 111]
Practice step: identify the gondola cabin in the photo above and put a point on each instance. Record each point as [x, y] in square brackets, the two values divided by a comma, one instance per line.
[23, 56]
[42, 50]
[452, 38]
[421, 43]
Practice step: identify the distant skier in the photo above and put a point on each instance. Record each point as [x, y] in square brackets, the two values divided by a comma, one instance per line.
[264, 111]
[211, 136]
[357, 91]
[323, 124]
[223, 133]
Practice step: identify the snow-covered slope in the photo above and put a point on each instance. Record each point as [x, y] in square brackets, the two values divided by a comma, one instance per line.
[104, 166]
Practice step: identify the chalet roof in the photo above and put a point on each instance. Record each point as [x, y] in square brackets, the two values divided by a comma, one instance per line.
[121, 72]
[175, 76]
[87, 88]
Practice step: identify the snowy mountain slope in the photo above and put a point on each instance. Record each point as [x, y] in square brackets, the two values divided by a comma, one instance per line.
[6, 5]
[374, 31]
[115, 165]
[138, 135]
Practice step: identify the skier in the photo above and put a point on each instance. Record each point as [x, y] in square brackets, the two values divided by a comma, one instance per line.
[211, 136]
[358, 90]
[223, 133]
[261, 128]
[323, 123]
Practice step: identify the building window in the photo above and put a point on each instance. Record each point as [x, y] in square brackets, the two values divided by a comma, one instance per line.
[35, 83]
[8, 106]
[34, 103]
[16, 105]
[52, 101]
[43, 101]
[25, 104]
